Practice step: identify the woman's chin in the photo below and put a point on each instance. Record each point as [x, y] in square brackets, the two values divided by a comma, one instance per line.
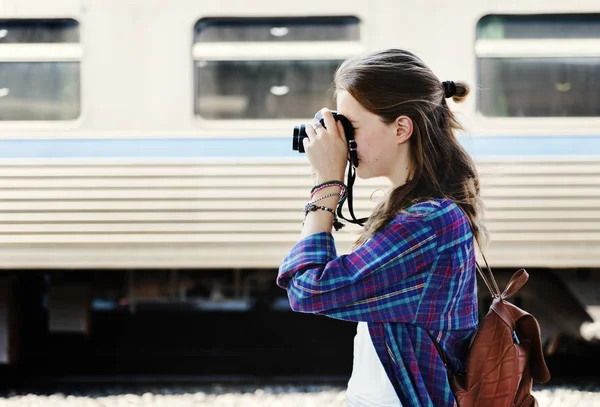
[362, 173]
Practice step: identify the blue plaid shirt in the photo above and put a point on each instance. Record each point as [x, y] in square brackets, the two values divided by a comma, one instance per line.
[416, 275]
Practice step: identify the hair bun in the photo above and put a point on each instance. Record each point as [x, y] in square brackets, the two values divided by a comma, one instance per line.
[449, 89]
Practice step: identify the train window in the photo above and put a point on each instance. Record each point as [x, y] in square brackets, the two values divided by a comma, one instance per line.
[539, 26]
[539, 66]
[277, 29]
[38, 31]
[269, 68]
[39, 70]
[39, 90]
[278, 89]
[534, 87]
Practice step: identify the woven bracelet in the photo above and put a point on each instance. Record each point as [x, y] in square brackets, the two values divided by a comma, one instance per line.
[326, 196]
[311, 207]
[327, 184]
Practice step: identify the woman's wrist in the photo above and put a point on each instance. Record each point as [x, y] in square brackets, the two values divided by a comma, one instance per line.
[330, 202]
[327, 186]
[319, 179]
[324, 197]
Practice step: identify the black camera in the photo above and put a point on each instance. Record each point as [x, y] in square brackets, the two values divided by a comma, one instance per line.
[300, 134]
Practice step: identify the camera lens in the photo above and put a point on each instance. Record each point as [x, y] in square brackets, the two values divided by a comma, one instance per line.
[299, 135]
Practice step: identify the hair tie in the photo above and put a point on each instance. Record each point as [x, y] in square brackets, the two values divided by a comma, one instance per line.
[449, 89]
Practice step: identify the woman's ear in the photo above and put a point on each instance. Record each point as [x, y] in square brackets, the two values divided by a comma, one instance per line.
[404, 129]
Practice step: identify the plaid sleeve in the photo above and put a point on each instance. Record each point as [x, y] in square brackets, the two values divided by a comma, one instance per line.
[371, 283]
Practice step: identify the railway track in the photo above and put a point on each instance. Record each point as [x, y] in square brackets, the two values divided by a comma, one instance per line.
[254, 348]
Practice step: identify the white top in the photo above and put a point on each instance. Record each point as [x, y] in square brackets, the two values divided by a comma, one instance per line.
[369, 385]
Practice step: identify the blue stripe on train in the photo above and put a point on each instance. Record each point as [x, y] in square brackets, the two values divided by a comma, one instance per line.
[489, 146]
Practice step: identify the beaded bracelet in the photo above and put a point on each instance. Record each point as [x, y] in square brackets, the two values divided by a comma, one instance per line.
[311, 207]
[326, 196]
[322, 187]
[327, 184]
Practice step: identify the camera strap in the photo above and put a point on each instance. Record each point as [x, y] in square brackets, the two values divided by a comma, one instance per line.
[350, 184]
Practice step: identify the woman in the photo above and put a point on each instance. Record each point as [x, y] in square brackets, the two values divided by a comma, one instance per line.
[410, 279]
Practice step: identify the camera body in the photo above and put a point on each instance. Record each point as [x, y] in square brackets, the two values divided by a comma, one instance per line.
[300, 134]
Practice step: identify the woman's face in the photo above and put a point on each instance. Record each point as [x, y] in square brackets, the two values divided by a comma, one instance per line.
[377, 145]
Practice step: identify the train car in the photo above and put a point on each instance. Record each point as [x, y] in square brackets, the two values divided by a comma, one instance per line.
[150, 144]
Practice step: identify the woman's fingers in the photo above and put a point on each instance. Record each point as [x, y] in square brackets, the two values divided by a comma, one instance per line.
[330, 122]
[310, 133]
[317, 126]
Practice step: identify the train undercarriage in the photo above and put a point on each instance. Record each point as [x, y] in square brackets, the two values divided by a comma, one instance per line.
[56, 302]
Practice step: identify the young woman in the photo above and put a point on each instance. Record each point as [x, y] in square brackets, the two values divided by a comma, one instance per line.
[410, 279]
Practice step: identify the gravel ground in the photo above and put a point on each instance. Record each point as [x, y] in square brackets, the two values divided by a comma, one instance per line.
[249, 396]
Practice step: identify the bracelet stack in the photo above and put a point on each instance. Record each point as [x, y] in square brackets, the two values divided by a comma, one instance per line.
[327, 184]
[311, 206]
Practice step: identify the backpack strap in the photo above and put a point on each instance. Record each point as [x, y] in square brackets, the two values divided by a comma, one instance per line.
[515, 283]
[490, 282]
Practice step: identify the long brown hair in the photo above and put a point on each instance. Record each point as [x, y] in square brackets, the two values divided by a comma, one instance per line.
[394, 83]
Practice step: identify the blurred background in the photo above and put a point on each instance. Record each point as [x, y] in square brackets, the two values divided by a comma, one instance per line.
[149, 190]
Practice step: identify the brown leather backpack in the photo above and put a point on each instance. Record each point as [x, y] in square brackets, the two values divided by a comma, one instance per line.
[505, 355]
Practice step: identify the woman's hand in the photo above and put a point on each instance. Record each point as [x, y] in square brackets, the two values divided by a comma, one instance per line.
[326, 149]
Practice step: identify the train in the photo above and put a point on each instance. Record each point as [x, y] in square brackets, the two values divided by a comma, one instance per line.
[146, 147]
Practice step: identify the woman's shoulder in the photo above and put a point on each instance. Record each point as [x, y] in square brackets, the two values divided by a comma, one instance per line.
[438, 213]
[432, 209]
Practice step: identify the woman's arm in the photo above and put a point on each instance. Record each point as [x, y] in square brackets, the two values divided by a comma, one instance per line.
[327, 152]
[362, 285]
[321, 220]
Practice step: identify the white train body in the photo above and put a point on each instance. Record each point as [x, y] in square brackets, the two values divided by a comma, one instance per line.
[167, 144]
